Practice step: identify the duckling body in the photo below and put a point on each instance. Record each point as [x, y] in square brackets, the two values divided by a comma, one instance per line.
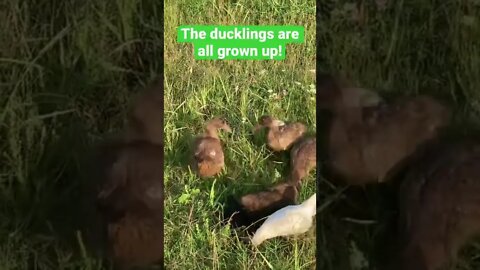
[146, 119]
[439, 206]
[290, 220]
[303, 158]
[208, 152]
[367, 144]
[131, 202]
[131, 232]
[280, 135]
[253, 207]
[130, 198]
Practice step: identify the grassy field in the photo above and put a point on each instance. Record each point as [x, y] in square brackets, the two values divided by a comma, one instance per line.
[402, 48]
[239, 91]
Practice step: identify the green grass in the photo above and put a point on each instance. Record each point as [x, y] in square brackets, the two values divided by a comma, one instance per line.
[410, 48]
[239, 91]
[68, 70]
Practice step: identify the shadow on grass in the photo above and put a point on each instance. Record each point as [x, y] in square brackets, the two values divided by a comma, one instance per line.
[54, 203]
[181, 153]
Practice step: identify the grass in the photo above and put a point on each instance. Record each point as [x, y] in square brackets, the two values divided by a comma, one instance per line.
[408, 48]
[239, 91]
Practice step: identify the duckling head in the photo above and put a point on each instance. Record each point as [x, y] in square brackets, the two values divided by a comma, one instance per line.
[275, 198]
[330, 93]
[218, 123]
[145, 122]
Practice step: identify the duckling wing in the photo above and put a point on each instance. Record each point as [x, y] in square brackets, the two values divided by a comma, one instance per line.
[208, 149]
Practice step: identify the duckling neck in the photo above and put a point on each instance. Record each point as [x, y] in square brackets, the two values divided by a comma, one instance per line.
[212, 132]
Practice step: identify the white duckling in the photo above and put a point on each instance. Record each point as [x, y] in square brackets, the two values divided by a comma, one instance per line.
[290, 220]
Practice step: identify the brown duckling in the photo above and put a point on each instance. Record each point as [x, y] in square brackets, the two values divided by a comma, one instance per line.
[303, 158]
[439, 206]
[360, 97]
[280, 135]
[252, 207]
[367, 144]
[208, 152]
[130, 199]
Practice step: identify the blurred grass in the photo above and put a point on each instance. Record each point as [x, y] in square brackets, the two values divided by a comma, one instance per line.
[404, 48]
[68, 70]
[239, 91]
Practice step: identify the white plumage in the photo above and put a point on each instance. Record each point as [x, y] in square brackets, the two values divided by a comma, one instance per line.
[290, 220]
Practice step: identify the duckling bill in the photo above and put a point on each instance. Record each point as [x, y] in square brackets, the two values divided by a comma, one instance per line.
[280, 135]
[208, 159]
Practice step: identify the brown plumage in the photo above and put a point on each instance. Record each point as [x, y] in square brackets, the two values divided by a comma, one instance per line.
[280, 194]
[367, 144]
[208, 152]
[132, 232]
[303, 158]
[252, 207]
[439, 206]
[280, 136]
[130, 199]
